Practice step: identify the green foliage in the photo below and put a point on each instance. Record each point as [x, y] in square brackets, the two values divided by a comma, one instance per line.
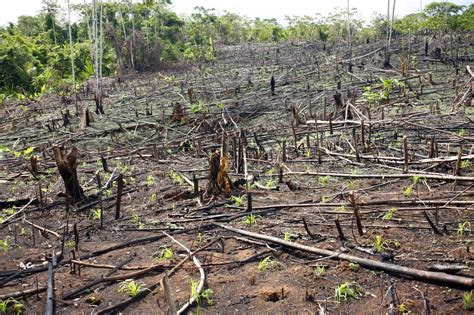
[379, 244]
[465, 164]
[250, 219]
[26, 153]
[131, 287]
[402, 308]
[347, 290]
[199, 108]
[95, 214]
[18, 306]
[324, 180]
[238, 201]
[408, 191]
[389, 214]
[319, 271]
[5, 244]
[467, 299]
[266, 264]
[464, 228]
[207, 295]
[150, 180]
[176, 178]
[378, 93]
[353, 266]
[166, 254]
[289, 236]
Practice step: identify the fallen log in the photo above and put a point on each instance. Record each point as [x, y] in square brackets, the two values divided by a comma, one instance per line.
[384, 176]
[422, 275]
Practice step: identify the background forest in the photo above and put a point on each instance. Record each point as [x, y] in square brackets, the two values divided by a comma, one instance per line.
[113, 38]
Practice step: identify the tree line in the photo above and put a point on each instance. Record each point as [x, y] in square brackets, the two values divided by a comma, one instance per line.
[46, 52]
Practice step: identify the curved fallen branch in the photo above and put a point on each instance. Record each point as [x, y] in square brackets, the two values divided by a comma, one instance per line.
[422, 275]
[123, 304]
[202, 278]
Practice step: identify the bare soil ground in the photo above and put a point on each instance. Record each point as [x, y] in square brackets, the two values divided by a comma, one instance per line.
[308, 161]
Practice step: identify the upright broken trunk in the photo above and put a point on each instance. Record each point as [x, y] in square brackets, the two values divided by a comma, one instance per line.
[219, 182]
[67, 165]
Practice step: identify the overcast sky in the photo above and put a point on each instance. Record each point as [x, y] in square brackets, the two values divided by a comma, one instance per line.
[11, 9]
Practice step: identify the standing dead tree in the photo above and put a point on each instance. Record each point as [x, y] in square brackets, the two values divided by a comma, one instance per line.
[67, 167]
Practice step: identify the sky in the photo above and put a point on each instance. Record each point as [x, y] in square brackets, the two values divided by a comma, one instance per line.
[12, 9]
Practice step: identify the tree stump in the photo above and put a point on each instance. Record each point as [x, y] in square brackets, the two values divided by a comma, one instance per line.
[67, 167]
[219, 181]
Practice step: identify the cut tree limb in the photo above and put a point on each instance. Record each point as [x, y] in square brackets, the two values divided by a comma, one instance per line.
[422, 275]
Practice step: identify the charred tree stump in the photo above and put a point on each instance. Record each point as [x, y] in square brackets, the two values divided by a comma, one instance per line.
[219, 181]
[67, 166]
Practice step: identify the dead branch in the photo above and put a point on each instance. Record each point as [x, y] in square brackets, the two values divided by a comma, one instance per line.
[427, 276]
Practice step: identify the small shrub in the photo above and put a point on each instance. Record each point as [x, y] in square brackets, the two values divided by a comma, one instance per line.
[347, 290]
[131, 287]
[467, 300]
[319, 271]
[266, 264]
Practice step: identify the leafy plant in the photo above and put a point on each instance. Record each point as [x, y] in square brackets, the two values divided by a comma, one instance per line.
[4, 306]
[5, 244]
[353, 266]
[464, 227]
[379, 244]
[289, 236]
[150, 181]
[96, 214]
[250, 219]
[324, 180]
[319, 271]
[266, 264]
[207, 294]
[467, 300]
[135, 218]
[341, 208]
[198, 108]
[176, 178]
[347, 290]
[238, 201]
[26, 153]
[131, 287]
[23, 232]
[402, 308]
[166, 254]
[70, 244]
[408, 191]
[465, 164]
[194, 292]
[389, 214]
[18, 306]
[351, 184]
[270, 183]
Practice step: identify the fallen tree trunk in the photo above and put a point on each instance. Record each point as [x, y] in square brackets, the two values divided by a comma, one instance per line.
[384, 176]
[422, 275]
